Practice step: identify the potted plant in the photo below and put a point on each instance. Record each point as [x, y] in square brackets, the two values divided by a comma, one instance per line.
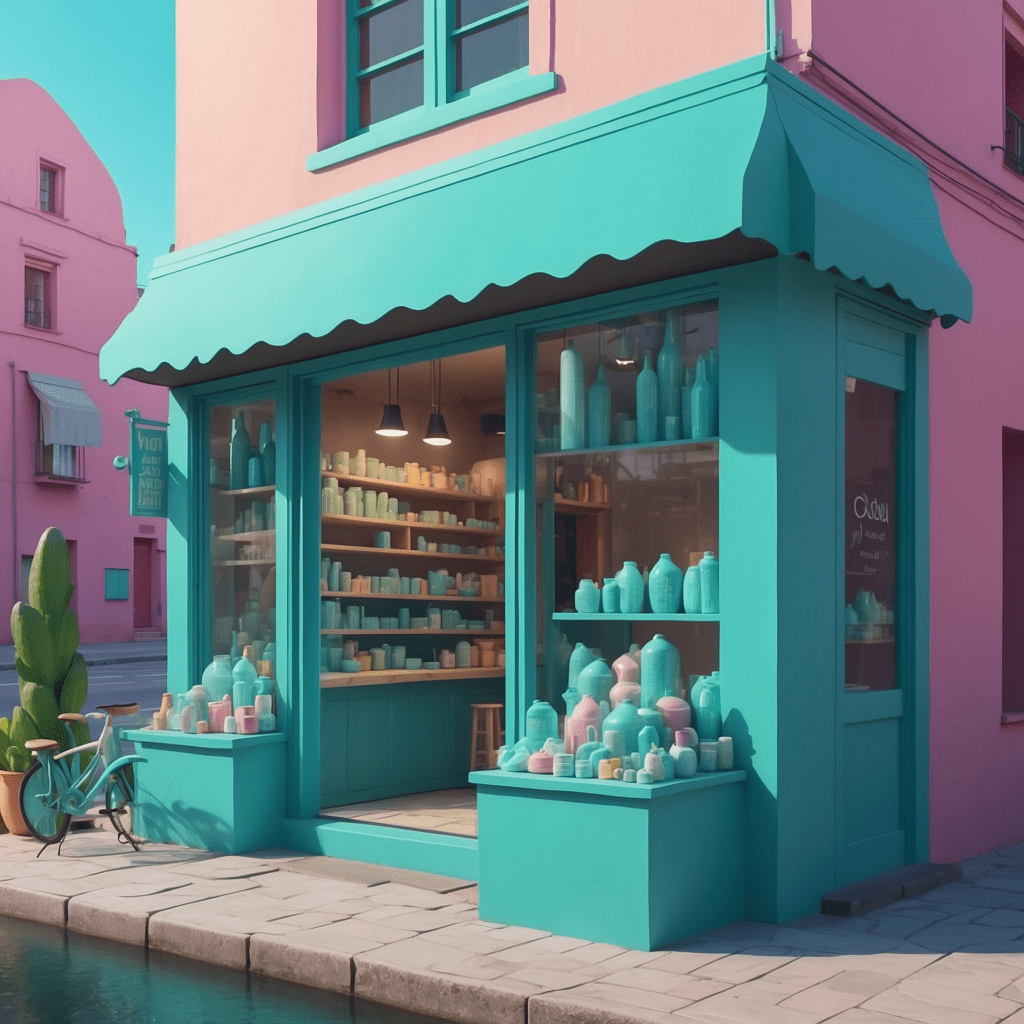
[52, 675]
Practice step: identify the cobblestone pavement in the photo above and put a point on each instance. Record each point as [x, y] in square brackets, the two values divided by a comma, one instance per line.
[953, 956]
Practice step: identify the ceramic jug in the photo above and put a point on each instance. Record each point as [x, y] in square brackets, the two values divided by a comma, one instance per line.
[541, 724]
[866, 606]
[659, 671]
[571, 398]
[580, 658]
[217, 677]
[610, 596]
[571, 697]
[670, 375]
[675, 713]
[599, 412]
[691, 587]
[647, 403]
[706, 699]
[588, 597]
[709, 603]
[625, 721]
[631, 588]
[596, 680]
[586, 715]
[665, 586]
[241, 450]
[623, 690]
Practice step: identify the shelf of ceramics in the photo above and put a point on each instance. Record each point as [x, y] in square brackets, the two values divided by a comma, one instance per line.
[412, 632]
[334, 680]
[334, 519]
[874, 640]
[627, 617]
[580, 507]
[250, 536]
[393, 487]
[244, 492]
[433, 556]
[245, 561]
[710, 444]
[431, 598]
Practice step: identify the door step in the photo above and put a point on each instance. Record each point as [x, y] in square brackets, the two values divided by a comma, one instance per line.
[888, 887]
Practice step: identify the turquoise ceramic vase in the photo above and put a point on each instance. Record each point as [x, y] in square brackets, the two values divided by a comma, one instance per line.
[580, 658]
[631, 589]
[541, 724]
[665, 586]
[610, 595]
[670, 376]
[243, 690]
[625, 721]
[709, 584]
[588, 597]
[691, 591]
[599, 412]
[217, 677]
[706, 701]
[647, 403]
[701, 405]
[659, 671]
[596, 680]
[241, 451]
[268, 449]
[572, 398]
[685, 403]
[255, 473]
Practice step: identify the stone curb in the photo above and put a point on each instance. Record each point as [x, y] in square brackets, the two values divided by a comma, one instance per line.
[116, 659]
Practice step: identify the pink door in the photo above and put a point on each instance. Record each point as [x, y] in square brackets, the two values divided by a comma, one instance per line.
[143, 583]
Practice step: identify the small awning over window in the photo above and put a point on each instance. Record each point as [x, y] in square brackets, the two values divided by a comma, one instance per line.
[69, 416]
[745, 149]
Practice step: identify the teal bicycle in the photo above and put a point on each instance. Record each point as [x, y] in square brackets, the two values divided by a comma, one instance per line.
[56, 788]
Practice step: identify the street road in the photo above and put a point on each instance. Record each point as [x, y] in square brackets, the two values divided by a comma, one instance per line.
[142, 681]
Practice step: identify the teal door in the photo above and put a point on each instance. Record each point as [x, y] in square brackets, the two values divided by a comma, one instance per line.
[875, 739]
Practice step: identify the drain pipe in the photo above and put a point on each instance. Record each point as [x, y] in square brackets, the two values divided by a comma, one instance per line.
[15, 568]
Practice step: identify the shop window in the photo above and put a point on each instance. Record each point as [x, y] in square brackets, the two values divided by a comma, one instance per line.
[243, 560]
[871, 596]
[39, 297]
[627, 512]
[1013, 146]
[412, 581]
[1013, 571]
[51, 188]
[416, 52]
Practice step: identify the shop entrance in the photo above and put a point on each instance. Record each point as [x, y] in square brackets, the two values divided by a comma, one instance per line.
[412, 609]
[874, 785]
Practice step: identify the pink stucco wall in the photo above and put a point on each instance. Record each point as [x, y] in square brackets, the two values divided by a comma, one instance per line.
[245, 127]
[95, 288]
[939, 67]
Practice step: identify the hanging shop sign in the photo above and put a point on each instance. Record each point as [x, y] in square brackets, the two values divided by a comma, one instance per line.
[147, 465]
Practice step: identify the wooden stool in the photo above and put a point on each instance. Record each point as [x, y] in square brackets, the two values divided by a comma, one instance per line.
[486, 726]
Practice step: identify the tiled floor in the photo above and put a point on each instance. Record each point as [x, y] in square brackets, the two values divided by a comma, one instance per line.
[451, 811]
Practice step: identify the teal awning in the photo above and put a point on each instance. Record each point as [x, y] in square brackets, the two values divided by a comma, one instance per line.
[745, 148]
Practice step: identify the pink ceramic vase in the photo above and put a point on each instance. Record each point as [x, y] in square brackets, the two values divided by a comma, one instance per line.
[586, 714]
[625, 690]
[626, 668]
[675, 713]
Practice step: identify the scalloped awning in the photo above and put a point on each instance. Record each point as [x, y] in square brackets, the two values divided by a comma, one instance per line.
[747, 147]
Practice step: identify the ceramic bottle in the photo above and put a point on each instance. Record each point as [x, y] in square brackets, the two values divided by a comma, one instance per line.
[254, 474]
[665, 586]
[631, 588]
[580, 658]
[647, 403]
[599, 412]
[625, 721]
[588, 597]
[586, 715]
[572, 398]
[691, 587]
[596, 680]
[711, 372]
[706, 699]
[709, 584]
[217, 677]
[685, 759]
[675, 713]
[541, 724]
[241, 450]
[701, 405]
[268, 449]
[659, 671]
[670, 375]
[243, 690]
[686, 410]
[610, 596]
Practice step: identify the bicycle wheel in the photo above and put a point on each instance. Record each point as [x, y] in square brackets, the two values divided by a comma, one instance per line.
[119, 797]
[38, 797]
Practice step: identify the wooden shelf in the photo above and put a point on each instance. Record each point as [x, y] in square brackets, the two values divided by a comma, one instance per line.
[873, 640]
[412, 597]
[252, 535]
[618, 449]
[245, 492]
[582, 507]
[247, 561]
[407, 553]
[412, 632]
[394, 488]
[638, 617]
[334, 519]
[333, 680]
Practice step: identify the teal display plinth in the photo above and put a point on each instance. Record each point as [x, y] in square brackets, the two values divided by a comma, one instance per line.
[663, 862]
[213, 792]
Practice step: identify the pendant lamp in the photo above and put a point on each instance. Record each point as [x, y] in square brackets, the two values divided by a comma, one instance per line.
[391, 424]
[437, 431]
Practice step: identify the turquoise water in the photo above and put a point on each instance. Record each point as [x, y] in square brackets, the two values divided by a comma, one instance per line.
[49, 976]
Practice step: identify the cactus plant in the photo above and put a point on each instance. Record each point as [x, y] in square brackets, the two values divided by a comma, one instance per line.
[52, 676]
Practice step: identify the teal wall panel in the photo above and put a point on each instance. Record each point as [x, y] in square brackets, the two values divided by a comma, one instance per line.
[872, 780]
[115, 584]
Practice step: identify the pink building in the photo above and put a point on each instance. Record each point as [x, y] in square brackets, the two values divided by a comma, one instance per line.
[67, 279]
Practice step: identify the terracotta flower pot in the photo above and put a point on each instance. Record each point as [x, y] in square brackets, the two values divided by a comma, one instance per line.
[10, 810]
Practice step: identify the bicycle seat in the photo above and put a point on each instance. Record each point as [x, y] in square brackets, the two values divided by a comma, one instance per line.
[73, 716]
[118, 710]
[40, 744]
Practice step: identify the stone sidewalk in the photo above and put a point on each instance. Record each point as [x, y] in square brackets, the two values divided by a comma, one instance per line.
[953, 956]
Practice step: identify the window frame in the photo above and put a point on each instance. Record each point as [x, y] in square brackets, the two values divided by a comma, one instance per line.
[50, 456]
[57, 195]
[48, 312]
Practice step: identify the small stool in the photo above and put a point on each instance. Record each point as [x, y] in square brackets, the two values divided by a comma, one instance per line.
[486, 727]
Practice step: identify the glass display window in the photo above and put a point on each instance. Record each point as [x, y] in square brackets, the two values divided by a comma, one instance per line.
[627, 500]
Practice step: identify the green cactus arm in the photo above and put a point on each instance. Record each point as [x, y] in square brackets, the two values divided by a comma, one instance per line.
[49, 578]
[73, 691]
[33, 643]
[63, 628]
[23, 728]
[39, 702]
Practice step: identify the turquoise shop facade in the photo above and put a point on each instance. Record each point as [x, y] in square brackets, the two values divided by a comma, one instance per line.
[820, 242]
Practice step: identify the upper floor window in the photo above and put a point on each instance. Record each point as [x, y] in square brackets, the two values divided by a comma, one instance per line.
[408, 54]
[38, 298]
[50, 187]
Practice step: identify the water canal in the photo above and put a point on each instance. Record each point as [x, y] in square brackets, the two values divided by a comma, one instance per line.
[52, 976]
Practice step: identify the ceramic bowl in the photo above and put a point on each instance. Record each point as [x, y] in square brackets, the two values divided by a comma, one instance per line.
[350, 666]
[414, 663]
[432, 664]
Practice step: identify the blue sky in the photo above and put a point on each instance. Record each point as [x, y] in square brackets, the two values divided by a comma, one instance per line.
[110, 65]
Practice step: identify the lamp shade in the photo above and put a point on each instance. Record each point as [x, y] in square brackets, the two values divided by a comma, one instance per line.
[437, 431]
[391, 424]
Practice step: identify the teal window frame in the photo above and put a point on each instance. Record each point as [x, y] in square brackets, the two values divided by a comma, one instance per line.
[115, 585]
[442, 105]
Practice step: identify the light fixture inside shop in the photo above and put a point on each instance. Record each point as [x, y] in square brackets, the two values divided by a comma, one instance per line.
[391, 424]
[437, 430]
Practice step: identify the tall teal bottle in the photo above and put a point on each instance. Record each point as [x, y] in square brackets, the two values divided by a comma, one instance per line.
[701, 405]
[599, 412]
[670, 377]
[647, 403]
[706, 702]
[241, 450]
[659, 671]
[687, 412]
[268, 449]
[572, 398]
[631, 588]
[665, 586]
